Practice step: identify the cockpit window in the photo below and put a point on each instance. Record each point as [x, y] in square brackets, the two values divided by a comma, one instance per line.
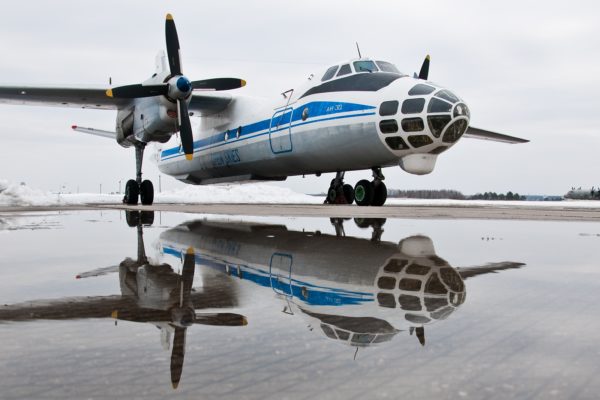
[365, 66]
[344, 70]
[330, 73]
[420, 90]
[387, 67]
[437, 105]
[328, 331]
[447, 95]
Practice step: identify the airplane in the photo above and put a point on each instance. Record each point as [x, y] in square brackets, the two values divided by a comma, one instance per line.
[150, 293]
[356, 291]
[359, 114]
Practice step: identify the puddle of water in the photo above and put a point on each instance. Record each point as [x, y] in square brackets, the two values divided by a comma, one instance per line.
[106, 305]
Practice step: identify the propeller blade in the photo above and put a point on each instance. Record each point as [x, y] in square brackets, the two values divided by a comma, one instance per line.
[424, 73]
[172, 46]
[185, 129]
[221, 319]
[177, 356]
[219, 84]
[137, 91]
[187, 276]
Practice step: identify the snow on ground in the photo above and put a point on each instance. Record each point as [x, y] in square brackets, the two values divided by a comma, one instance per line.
[21, 195]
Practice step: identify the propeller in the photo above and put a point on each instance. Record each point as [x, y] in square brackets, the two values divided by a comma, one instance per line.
[177, 88]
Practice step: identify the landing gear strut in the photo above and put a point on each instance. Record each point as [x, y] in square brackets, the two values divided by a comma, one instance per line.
[339, 193]
[138, 187]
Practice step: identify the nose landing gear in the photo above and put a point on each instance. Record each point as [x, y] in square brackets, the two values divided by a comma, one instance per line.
[365, 193]
[134, 189]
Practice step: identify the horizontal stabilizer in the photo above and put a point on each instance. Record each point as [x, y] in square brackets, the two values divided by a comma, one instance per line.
[97, 132]
[98, 272]
[476, 133]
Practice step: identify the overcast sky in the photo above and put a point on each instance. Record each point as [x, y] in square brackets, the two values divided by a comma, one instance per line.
[525, 68]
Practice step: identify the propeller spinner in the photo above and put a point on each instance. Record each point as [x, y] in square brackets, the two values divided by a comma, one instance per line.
[177, 88]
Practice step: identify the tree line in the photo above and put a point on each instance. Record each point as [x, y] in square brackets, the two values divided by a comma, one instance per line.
[452, 194]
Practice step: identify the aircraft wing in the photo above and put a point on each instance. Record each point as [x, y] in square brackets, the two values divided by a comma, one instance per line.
[202, 102]
[469, 272]
[61, 96]
[209, 102]
[476, 133]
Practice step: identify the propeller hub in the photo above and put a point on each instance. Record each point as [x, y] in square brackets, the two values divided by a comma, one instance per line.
[184, 84]
[180, 87]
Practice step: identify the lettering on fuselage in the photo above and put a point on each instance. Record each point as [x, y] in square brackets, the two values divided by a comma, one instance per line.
[226, 157]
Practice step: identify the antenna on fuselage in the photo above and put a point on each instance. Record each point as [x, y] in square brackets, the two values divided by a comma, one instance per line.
[358, 49]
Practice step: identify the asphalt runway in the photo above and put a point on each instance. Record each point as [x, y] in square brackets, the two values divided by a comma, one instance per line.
[502, 212]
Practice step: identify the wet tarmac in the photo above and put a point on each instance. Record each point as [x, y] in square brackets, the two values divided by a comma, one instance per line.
[106, 304]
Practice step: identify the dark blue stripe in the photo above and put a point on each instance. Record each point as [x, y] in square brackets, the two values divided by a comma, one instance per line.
[315, 109]
[317, 295]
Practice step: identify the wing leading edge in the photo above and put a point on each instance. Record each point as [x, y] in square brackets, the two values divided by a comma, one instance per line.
[476, 133]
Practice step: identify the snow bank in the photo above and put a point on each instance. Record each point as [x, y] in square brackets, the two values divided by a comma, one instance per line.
[21, 195]
[236, 193]
[494, 203]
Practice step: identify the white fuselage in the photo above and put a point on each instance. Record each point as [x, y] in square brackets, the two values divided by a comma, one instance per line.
[359, 121]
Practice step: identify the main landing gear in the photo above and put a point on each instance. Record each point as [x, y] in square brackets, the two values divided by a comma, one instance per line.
[138, 188]
[365, 193]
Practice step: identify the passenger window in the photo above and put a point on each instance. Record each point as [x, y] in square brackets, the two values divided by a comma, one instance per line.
[330, 73]
[396, 143]
[437, 105]
[420, 90]
[388, 108]
[365, 66]
[344, 70]
[413, 106]
[412, 125]
[388, 126]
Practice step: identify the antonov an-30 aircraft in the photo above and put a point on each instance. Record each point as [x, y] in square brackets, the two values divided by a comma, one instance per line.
[356, 115]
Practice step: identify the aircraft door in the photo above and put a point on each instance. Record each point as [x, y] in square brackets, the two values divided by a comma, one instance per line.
[280, 274]
[280, 131]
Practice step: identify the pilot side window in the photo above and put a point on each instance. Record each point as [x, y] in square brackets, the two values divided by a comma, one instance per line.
[344, 70]
[387, 67]
[330, 73]
[365, 66]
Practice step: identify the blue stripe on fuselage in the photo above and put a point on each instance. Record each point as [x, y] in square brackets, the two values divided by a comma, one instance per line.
[313, 294]
[315, 110]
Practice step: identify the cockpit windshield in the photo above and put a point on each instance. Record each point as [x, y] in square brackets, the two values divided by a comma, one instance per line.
[387, 67]
[365, 66]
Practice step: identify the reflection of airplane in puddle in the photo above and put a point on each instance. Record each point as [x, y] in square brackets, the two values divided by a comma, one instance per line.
[149, 293]
[353, 290]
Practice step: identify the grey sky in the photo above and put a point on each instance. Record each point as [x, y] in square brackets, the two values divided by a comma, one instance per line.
[525, 68]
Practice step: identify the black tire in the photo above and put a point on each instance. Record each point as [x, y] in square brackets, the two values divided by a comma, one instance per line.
[349, 193]
[131, 192]
[331, 195]
[132, 218]
[147, 193]
[379, 194]
[363, 193]
[147, 218]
